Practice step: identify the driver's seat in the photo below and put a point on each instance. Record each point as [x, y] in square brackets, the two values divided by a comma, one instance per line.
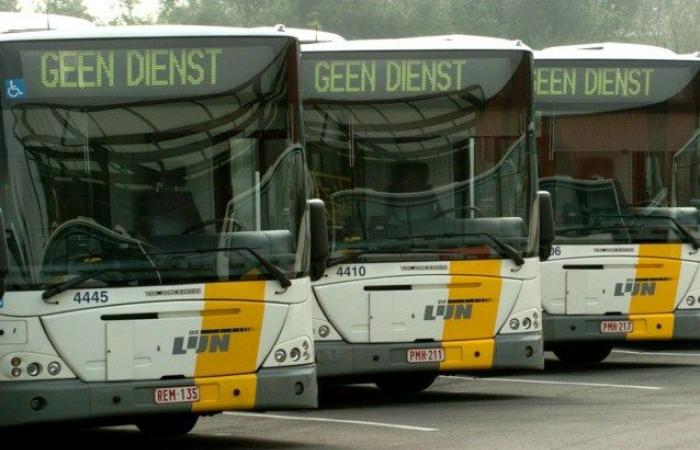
[168, 213]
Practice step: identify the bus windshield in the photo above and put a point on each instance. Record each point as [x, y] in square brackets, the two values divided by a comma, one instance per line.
[619, 149]
[150, 161]
[421, 151]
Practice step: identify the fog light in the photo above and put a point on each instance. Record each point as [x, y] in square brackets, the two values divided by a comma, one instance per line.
[295, 354]
[536, 315]
[324, 331]
[690, 300]
[54, 368]
[16, 371]
[514, 324]
[306, 355]
[280, 356]
[305, 344]
[526, 323]
[536, 324]
[34, 369]
[16, 361]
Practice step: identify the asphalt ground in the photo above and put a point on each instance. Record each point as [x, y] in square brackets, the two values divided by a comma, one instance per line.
[640, 397]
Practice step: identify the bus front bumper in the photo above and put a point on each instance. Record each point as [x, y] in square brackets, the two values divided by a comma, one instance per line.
[679, 325]
[45, 401]
[342, 359]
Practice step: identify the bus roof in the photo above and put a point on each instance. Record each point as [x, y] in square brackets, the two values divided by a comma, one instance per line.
[141, 31]
[13, 22]
[305, 35]
[445, 42]
[611, 50]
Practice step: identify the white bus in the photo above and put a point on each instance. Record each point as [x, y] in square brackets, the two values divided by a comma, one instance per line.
[14, 22]
[423, 151]
[157, 227]
[619, 151]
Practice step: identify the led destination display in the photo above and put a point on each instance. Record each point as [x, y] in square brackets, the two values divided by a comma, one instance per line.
[367, 76]
[555, 82]
[168, 70]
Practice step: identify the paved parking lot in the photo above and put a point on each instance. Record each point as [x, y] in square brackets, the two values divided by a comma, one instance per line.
[644, 397]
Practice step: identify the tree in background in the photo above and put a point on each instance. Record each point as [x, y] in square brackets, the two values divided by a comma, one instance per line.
[126, 14]
[539, 23]
[74, 8]
[9, 5]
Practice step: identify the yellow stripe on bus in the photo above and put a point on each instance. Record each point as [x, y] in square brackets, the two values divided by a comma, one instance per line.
[651, 327]
[481, 289]
[226, 393]
[232, 311]
[468, 355]
[658, 270]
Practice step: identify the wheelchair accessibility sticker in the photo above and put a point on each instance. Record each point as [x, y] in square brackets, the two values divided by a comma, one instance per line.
[14, 89]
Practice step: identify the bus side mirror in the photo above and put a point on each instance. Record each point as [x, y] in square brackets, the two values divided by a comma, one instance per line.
[319, 238]
[4, 255]
[546, 224]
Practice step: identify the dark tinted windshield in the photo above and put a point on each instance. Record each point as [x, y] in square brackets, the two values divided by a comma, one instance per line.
[620, 139]
[130, 154]
[421, 150]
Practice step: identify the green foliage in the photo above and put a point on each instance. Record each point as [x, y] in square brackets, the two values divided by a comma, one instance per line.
[539, 23]
[9, 5]
[74, 8]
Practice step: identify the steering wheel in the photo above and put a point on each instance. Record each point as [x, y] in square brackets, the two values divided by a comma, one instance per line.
[479, 212]
[236, 225]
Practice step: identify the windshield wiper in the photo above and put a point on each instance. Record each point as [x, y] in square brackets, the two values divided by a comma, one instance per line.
[592, 228]
[390, 251]
[73, 282]
[272, 269]
[496, 243]
[683, 232]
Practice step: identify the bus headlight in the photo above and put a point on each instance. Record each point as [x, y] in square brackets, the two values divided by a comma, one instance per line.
[16, 371]
[324, 331]
[16, 361]
[33, 369]
[690, 300]
[526, 323]
[514, 324]
[54, 368]
[295, 354]
[280, 356]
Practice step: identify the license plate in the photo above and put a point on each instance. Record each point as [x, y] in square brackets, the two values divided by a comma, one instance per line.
[419, 355]
[615, 326]
[184, 394]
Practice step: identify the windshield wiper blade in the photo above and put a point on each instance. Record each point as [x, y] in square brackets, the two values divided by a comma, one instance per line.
[272, 269]
[389, 251]
[683, 232]
[73, 282]
[496, 243]
[597, 228]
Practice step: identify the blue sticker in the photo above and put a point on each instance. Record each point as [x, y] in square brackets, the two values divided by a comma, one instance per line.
[14, 89]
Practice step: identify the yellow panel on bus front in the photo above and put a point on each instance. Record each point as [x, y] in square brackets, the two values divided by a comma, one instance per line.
[230, 337]
[655, 284]
[473, 300]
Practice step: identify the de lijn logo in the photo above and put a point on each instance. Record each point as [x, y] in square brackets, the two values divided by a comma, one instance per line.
[638, 286]
[452, 309]
[206, 341]
[14, 89]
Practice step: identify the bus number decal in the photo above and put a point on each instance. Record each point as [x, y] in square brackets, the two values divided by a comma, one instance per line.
[555, 251]
[354, 271]
[81, 297]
